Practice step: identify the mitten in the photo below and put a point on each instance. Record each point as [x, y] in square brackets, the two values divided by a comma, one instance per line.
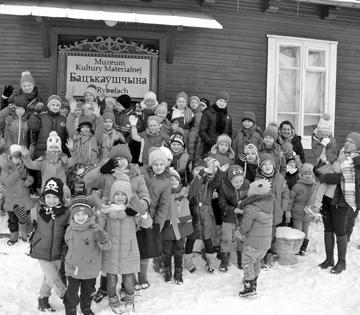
[21, 214]
[108, 167]
[28, 181]
[64, 252]
[130, 212]
[137, 205]
[325, 141]
[8, 89]
[102, 237]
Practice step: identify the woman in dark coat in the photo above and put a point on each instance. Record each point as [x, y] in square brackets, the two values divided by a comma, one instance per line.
[215, 121]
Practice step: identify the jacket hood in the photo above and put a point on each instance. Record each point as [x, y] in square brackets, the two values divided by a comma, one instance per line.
[262, 202]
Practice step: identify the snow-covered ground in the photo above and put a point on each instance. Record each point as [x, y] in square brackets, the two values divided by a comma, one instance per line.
[299, 289]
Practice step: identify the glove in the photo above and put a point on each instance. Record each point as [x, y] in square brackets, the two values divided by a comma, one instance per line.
[102, 237]
[108, 167]
[133, 120]
[242, 157]
[137, 205]
[130, 212]
[8, 89]
[287, 216]
[325, 141]
[21, 214]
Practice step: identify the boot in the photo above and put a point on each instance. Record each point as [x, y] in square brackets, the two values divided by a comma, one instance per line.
[341, 246]
[239, 259]
[210, 262]
[249, 288]
[303, 247]
[178, 275]
[217, 250]
[269, 260]
[102, 291]
[43, 304]
[188, 263]
[128, 306]
[329, 250]
[14, 237]
[167, 274]
[224, 265]
[158, 265]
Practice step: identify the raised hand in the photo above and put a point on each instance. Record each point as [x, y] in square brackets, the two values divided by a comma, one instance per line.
[96, 109]
[24, 152]
[70, 144]
[8, 89]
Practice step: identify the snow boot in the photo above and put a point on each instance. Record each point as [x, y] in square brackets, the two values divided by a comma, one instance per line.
[239, 259]
[303, 247]
[341, 246]
[249, 288]
[128, 306]
[210, 260]
[43, 304]
[224, 265]
[217, 250]
[102, 291]
[269, 260]
[167, 274]
[14, 237]
[329, 250]
[158, 266]
[178, 275]
[188, 262]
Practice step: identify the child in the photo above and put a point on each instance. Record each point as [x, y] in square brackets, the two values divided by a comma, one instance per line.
[85, 241]
[204, 103]
[47, 240]
[256, 227]
[292, 172]
[232, 190]
[249, 162]
[122, 111]
[177, 226]
[195, 145]
[28, 89]
[222, 150]
[249, 133]
[298, 201]
[147, 107]
[16, 182]
[161, 111]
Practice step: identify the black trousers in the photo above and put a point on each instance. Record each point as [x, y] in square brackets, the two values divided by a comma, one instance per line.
[173, 248]
[87, 290]
[13, 222]
[334, 217]
[189, 246]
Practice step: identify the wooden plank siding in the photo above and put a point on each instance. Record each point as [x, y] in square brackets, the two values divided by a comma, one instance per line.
[234, 59]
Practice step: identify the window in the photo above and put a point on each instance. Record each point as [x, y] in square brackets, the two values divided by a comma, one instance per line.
[301, 82]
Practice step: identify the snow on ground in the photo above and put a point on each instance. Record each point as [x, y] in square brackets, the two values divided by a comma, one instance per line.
[299, 289]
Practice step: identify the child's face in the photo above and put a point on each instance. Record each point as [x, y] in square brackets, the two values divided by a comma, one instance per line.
[251, 156]
[52, 148]
[181, 103]
[109, 105]
[122, 163]
[161, 113]
[202, 107]
[150, 103]
[291, 164]
[27, 87]
[194, 104]
[85, 130]
[221, 103]
[120, 198]
[247, 123]
[64, 111]
[89, 97]
[108, 124]
[223, 147]
[267, 167]
[19, 111]
[16, 160]
[78, 111]
[153, 126]
[119, 107]
[158, 167]
[174, 182]
[52, 200]
[268, 140]
[237, 182]
[324, 134]
[176, 147]
[54, 107]
[307, 176]
[81, 217]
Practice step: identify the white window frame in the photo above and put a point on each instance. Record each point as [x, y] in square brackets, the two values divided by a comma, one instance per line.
[330, 48]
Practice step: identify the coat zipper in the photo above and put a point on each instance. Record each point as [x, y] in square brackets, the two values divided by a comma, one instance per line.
[18, 142]
[52, 239]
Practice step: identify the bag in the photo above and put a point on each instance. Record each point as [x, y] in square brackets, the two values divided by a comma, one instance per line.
[149, 242]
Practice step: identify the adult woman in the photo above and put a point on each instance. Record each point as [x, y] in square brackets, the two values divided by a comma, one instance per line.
[287, 134]
[335, 211]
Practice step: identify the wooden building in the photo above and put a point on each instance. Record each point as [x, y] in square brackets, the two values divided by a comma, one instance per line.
[279, 58]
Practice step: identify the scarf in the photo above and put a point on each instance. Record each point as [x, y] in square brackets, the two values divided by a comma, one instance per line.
[48, 213]
[267, 175]
[90, 223]
[109, 137]
[307, 181]
[221, 115]
[153, 134]
[348, 177]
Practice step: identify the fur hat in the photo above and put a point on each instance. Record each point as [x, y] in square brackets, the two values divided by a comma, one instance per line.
[204, 102]
[157, 154]
[355, 136]
[183, 95]
[266, 157]
[150, 96]
[174, 173]
[168, 154]
[54, 186]
[108, 114]
[110, 100]
[121, 184]
[54, 99]
[324, 124]
[161, 108]
[84, 120]
[15, 150]
[259, 187]
[177, 137]
[124, 100]
[234, 171]
[20, 100]
[26, 77]
[307, 169]
[223, 138]
[272, 132]
[249, 116]
[53, 140]
[194, 97]
[91, 88]
[120, 150]
[82, 203]
[156, 118]
[222, 95]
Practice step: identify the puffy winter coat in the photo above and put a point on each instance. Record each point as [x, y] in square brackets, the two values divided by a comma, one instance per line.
[244, 137]
[257, 221]
[85, 151]
[331, 150]
[151, 141]
[194, 142]
[13, 128]
[179, 163]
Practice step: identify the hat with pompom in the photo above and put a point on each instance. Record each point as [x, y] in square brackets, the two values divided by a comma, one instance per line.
[26, 77]
[121, 184]
[183, 95]
[91, 89]
[53, 141]
[120, 150]
[249, 116]
[54, 186]
[222, 95]
[259, 187]
[108, 114]
[266, 157]
[325, 124]
[83, 203]
[234, 171]
[158, 154]
[272, 132]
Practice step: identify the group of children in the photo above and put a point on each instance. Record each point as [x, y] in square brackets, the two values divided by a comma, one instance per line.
[122, 184]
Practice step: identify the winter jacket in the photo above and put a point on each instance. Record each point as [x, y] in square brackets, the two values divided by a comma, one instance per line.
[108, 138]
[41, 125]
[222, 158]
[160, 191]
[194, 142]
[14, 129]
[296, 144]
[47, 242]
[166, 127]
[122, 123]
[250, 169]
[17, 182]
[278, 154]
[229, 199]
[244, 137]
[208, 131]
[185, 117]
[179, 163]
[291, 179]
[257, 221]
[83, 258]
[85, 151]
[299, 197]
[151, 141]
[331, 149]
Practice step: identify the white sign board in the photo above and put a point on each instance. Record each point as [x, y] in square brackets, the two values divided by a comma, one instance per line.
[112, 76]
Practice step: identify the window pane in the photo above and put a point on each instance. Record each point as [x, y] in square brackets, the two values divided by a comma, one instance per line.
[293, 118]
[314, 92]
[316, 58]
[310, 123]
[289, 56]
[288, 97]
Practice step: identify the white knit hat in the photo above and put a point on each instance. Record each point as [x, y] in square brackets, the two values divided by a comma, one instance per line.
[324, 124]
[53, 140]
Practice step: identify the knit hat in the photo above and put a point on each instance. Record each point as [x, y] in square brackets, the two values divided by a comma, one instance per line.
[251, 148]
[259, 187]
[324, 124]
[15, 150]
[223, 138]
[161, 108]
[307, 169]
[157, 154]
[273, 123]
[110, 100]
[272, 132]
[234, 171]
[83, 203]
[266, 157]
[156, 118]
[194, 97]
[20, 101]
[174, 173]
[91, 88]
[355, 136]
[121, 184]
[205, 102]
[120, 150]
[53, 140]
[150, 96]
[108, 114]
[177, 137]
[249, 116]
[26, 77]
[198, 163]
[168, 153]
[54, 186]
[124, 100]
[291, 157]
[54, 99]
[222, 95]
[183, 95]
[84, 120]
